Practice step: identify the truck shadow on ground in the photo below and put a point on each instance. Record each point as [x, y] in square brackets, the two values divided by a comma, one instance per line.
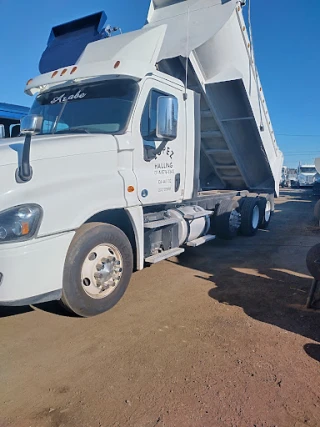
[14, 311]
[267, 295]
[52, 307]
[313, 350]
[266, 275]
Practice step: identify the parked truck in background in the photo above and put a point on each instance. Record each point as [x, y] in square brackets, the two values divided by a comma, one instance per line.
[285, 182]
[137, 147]
[293, 177]
[306, 175]
[10, 116]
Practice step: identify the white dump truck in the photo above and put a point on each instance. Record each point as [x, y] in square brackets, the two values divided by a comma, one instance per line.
[137, 147]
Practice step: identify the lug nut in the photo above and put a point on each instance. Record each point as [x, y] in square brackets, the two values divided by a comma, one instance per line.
[99, 267]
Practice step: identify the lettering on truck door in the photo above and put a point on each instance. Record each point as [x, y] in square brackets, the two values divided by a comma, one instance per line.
[160, 178]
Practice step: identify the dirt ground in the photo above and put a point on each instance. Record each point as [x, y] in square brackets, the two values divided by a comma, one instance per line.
[216, 337]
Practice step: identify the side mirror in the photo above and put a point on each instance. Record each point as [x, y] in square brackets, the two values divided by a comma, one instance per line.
[167, 118]
[31, 124]
[2, 132]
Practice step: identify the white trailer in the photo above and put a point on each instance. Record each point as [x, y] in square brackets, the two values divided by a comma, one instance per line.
[137, 147]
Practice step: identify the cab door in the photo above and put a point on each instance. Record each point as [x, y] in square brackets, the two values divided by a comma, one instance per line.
[160, 177]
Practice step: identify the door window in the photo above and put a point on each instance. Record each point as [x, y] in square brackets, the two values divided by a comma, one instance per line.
[149, 123]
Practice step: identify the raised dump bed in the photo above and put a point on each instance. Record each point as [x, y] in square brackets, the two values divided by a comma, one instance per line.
[238, 148]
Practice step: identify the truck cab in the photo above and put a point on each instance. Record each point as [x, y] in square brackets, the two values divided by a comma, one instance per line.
[10, 116]
[306, 175]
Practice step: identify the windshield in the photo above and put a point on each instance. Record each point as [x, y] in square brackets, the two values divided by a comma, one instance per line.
[308, 169]
[102, 107]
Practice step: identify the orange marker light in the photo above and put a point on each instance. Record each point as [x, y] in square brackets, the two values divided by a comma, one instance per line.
[54, 74]
[74, 69]
[29, 81]
[130, 189]
[117, 64]
[63, 72]
[25, 228]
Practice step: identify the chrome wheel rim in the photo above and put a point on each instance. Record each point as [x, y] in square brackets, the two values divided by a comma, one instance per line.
[267, 212]
[101, 271]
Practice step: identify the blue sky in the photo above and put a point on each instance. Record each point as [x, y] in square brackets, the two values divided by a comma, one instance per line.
[286, 38]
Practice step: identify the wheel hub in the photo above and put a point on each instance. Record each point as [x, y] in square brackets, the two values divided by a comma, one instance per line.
[101, 271]
[234, 220]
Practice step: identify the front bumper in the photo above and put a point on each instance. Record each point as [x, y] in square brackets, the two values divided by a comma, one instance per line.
[32, 272]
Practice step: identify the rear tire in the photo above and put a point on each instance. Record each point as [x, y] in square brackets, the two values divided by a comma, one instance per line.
[265, 205]
[313, 261]
[317, 210]
[250, 216]
[97, 269]
[226, 220]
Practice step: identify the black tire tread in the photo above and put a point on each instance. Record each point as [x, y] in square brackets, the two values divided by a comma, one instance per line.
[312, 256]
[220, 220]
[316, 210]
[246, 211]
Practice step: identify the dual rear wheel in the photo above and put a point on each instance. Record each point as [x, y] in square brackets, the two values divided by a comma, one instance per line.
[245, 216]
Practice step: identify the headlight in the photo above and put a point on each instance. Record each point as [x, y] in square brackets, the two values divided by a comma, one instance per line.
[19, 223]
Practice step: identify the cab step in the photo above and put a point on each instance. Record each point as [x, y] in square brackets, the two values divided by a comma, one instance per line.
[201, 240]
[164, 255]
[196, 215]
[160, 223]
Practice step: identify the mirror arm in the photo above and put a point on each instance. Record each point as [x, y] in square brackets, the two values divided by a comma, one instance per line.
[24, 171]
[153, 152]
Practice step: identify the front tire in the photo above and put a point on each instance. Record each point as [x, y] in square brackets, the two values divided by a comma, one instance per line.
[97, 269]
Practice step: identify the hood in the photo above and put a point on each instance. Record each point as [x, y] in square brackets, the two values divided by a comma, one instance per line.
[54, 146]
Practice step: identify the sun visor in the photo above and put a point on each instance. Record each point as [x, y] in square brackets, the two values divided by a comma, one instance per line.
[67, 41]
[141, 45]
